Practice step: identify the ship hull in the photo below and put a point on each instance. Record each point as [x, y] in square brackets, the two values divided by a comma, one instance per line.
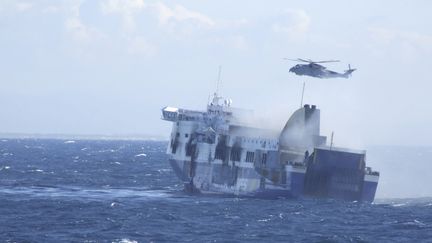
[245, 180]
[370, 185]
[236, 180]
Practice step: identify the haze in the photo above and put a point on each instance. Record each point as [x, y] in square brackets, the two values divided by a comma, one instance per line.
[107, 67]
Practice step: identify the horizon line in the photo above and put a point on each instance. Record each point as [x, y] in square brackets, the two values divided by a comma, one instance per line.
[65, 136]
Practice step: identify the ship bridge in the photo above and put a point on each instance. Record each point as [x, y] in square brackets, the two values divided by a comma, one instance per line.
[175, 114]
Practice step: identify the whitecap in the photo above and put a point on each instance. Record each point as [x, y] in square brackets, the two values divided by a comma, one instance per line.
[232, 217]
[4, 140]
[80, 193]
[4, 168]
[419, 222]
[125, 241]
[69, 141]
[141, 155]
[415, 222]
[117, 163]
[37, 170]
[107, 150]
[263, 220]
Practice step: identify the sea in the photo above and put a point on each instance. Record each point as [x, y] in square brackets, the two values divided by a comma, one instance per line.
[54, 190]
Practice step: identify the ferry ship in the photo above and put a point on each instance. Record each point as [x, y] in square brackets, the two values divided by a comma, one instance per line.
[218, 151]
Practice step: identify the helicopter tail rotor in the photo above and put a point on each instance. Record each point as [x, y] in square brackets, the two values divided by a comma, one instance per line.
[350, 69]
[348, 72]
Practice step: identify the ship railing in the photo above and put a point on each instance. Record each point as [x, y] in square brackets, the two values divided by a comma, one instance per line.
[184, 117]
[175, 114]
[369, 171]
[296, 163]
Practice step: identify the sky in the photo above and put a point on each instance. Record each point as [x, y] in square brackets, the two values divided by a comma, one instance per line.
[109, 66]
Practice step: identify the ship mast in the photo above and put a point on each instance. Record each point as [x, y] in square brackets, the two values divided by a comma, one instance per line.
[301, 102]
[218, 80]
[216, 97]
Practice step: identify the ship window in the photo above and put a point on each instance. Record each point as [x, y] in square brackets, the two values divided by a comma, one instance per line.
[174, 146]
[235, 154]
[250, 156]
[178, 134]
[219, 154]
[190, 149]
[220, 151]
[264, 159]
[186, 135]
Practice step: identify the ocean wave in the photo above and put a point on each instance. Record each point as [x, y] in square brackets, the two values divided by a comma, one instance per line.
[86, 193]
[125, 241]
[6, 167]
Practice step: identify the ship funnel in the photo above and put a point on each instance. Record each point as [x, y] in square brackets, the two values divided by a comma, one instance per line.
[302, 130]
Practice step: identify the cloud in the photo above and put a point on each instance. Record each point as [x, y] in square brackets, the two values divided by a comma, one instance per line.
[293, 22]
[177, 20]
[79, 31]
[122, 6]
[126, 8]
[178, 13]
[167, 16]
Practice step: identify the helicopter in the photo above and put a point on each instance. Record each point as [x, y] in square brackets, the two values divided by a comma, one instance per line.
[316, 70]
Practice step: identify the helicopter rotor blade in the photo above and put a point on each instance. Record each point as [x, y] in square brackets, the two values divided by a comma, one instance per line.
[304, 60]
[309, 60]
[297, 60]
[327, 61]
[312, 61]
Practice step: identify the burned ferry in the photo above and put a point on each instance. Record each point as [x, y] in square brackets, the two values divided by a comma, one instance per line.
[219, 151]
